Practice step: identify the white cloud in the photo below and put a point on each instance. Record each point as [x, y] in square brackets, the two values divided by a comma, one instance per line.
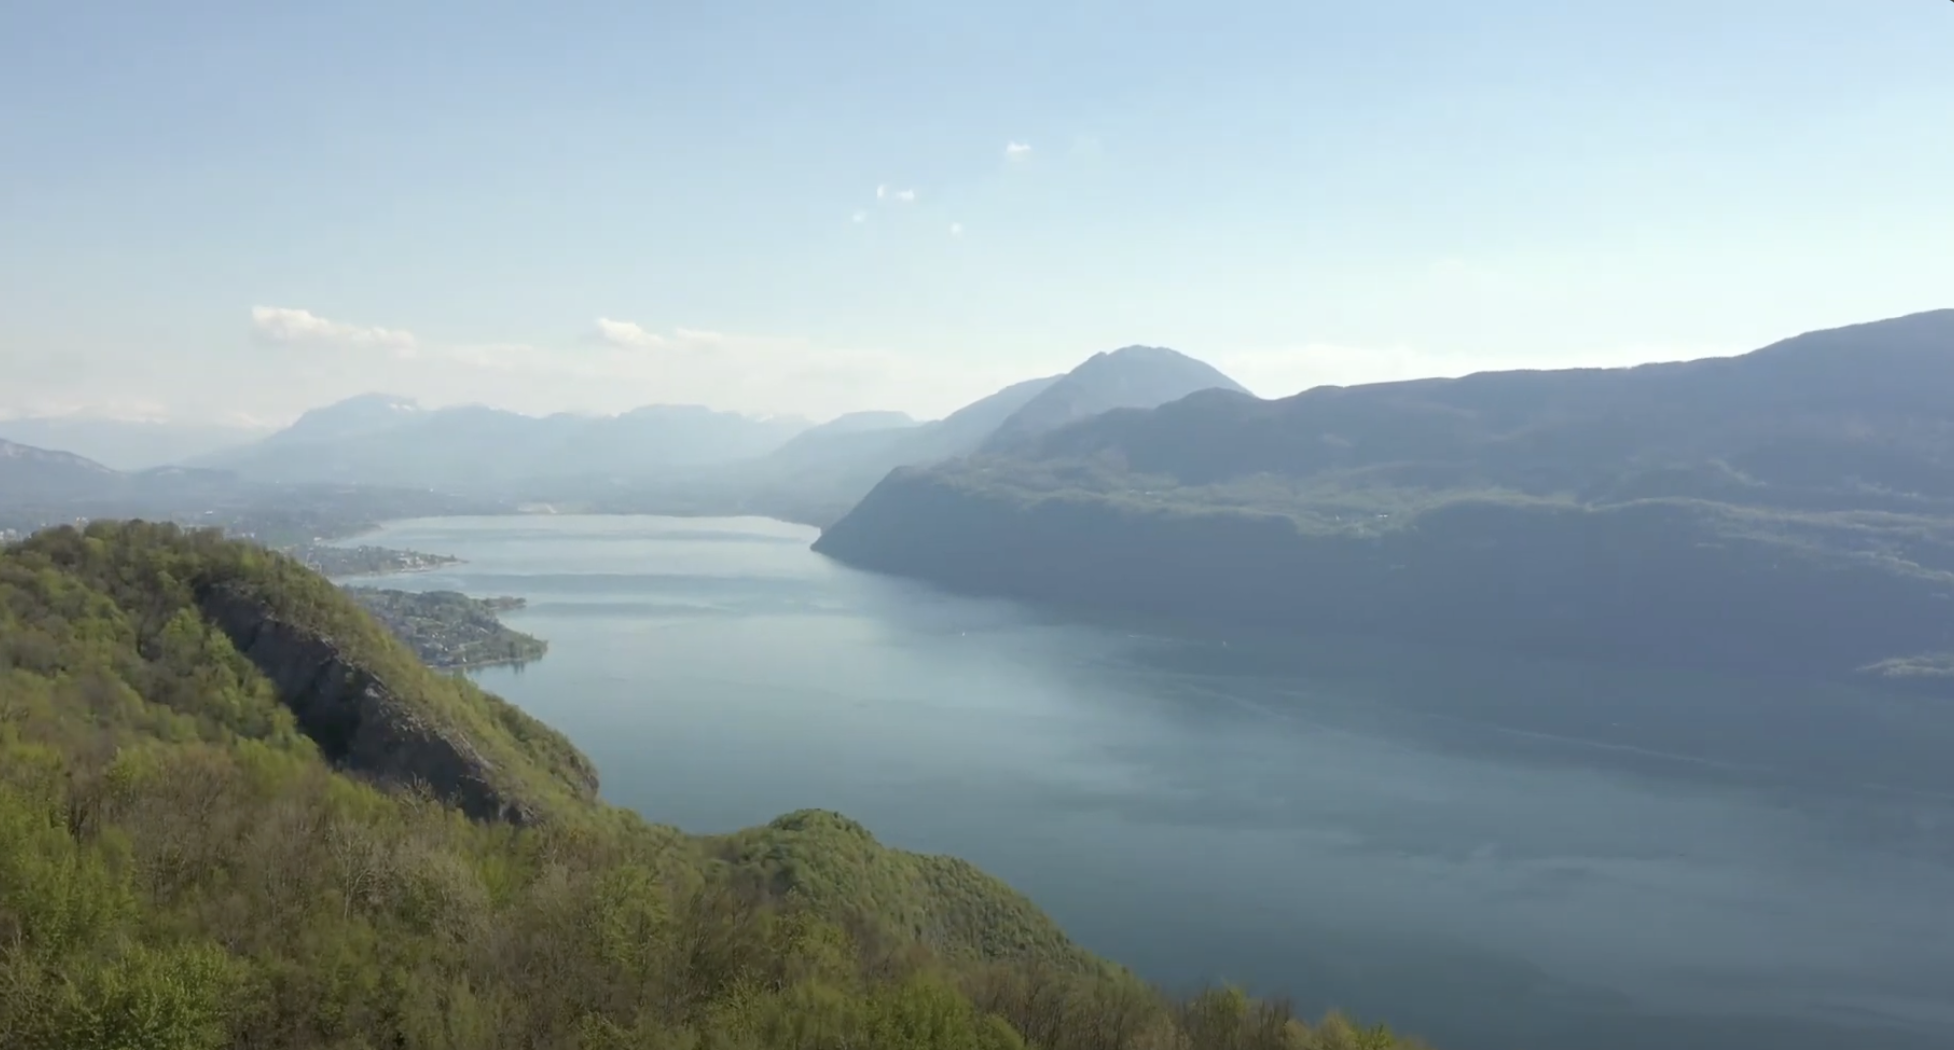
[903, 196]
[293, 327]
[624, 333]
[956, 229]
[859, 216]
[1017, 150]
[881, 192]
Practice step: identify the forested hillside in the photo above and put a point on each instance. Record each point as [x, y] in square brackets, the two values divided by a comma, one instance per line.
[204, 844]
[1786, 512]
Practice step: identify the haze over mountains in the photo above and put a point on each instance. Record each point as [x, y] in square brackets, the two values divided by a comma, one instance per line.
[818, 476]
[127, 444]
[26, 471]
[384, 440]
[378, 456]
[686, 458]
[1787, 511]
[40, 487]
[50, 478]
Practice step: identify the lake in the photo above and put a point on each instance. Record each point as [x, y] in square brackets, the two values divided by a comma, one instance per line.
[1491, 852]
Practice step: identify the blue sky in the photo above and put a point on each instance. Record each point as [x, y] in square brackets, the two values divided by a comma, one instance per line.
[231, 210]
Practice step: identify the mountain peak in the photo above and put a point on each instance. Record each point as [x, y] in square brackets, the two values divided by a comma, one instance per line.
[1134, 376]
[1138, 352]
[29, 474]
[360, 414]
[13, 450]
[373, 402]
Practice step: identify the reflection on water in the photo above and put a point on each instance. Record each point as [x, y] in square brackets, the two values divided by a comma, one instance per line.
[1492, 852]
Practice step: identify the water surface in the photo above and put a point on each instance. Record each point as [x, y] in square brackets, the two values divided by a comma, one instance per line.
[1491, 852]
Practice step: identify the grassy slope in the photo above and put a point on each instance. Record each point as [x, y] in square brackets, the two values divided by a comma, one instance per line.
[180, 869]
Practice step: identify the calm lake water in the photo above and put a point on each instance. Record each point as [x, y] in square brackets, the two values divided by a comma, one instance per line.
[1492, 853]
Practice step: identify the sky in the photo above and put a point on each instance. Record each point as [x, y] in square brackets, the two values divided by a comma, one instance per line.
[234, 212]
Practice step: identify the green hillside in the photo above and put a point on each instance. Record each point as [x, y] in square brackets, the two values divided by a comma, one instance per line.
[202, 847]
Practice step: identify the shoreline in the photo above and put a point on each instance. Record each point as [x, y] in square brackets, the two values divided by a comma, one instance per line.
[390, 573]
[485, 665]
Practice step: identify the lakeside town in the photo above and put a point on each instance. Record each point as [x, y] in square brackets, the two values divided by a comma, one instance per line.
[365, 560]
[451, 631]
[448, 630]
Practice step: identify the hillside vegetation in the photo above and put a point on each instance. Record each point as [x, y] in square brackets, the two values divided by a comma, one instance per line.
[188, 863]
[1790, 511]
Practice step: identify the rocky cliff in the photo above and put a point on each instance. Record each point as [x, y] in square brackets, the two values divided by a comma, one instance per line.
[359, 722]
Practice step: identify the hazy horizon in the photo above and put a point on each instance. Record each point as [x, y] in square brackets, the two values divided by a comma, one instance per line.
[249, 423]
[231, 216]
[246, 423]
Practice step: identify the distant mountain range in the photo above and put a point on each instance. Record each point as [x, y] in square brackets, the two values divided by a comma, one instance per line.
[40, 487]
[377, 450]
[821, 473]
[33, 473]
[381, 440]
[127, 444]
[1788, 511]
[685, 459]
[43, 477]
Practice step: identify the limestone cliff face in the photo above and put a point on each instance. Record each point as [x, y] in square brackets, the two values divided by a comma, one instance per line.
[356, 719]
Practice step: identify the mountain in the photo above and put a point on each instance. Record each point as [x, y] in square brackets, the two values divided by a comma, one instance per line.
[863, 451]
[351, 418]
[1130, 377]
[1847, 418]
[38, 477]
[382, 440]
[962, 431]
[39, 487]
[235, 811]
[661, 436]
[125, 444]
[813, 477]
[819, 475]
[686, 459]
[37, 474]
[858, 422]
[1788, 511]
